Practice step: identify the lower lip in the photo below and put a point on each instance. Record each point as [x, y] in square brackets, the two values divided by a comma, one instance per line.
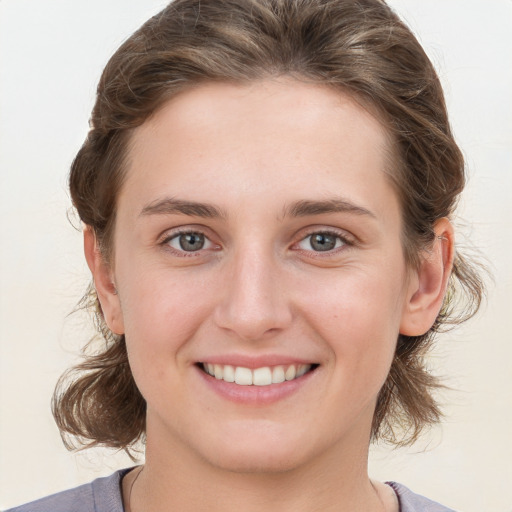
[255, 395]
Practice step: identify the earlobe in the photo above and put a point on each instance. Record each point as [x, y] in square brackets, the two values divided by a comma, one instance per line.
[428, 287]
[103, 283]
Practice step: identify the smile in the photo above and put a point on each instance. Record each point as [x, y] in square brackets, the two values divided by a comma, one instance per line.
[264, 376]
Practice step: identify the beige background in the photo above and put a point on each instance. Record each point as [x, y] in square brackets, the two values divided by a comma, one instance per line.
[51, 55]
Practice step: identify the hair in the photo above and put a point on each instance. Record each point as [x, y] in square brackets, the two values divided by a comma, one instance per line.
[359, 47]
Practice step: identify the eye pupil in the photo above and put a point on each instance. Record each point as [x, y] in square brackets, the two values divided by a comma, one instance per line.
[191, 241]
[323, 242]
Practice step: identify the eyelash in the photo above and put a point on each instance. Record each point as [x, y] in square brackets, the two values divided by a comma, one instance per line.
[345, 240]
[181, 252]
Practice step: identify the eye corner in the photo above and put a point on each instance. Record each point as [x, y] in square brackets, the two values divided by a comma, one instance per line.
[326, 242]
[187, 242]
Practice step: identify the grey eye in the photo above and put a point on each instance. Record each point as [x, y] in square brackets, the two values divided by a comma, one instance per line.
[189, 242]
[321, 242]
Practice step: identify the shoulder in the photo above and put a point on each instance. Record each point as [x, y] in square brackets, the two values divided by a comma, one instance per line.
[411, 502]
[100, 495]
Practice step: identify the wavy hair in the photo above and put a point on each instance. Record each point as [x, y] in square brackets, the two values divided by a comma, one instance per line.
[359, 47]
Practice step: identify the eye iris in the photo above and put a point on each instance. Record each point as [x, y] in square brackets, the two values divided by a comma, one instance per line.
[191, 241]
[323, 242]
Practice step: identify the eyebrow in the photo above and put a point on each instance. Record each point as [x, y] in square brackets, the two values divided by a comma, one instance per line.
[305, 208]
[302, 208]
[170, 205]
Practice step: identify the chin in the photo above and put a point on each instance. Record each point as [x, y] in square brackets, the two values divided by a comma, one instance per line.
[260, 461]
[260, 452]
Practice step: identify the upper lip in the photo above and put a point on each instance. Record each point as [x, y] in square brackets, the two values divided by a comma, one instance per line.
[253, 362]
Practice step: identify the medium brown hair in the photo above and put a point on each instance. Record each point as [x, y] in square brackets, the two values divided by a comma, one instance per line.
[359, 47]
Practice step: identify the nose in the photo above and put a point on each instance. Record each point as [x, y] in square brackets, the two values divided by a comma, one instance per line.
[253, 304]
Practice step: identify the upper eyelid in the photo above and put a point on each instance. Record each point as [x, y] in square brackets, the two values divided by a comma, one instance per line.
[303, 233]
[165, 242]
[171, 233]
[341, 233]
[345, 241]
[349, 241]
[185, 232]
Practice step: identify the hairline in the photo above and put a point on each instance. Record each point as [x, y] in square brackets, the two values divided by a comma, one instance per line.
[392, 159]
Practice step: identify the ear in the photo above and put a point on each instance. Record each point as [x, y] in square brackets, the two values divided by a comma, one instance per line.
[428, 283]
[103, 282]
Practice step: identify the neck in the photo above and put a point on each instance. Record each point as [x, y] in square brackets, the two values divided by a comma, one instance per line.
[176, 478]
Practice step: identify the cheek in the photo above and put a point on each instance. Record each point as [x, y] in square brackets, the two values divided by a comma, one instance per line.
[358, 315]
[161, 312]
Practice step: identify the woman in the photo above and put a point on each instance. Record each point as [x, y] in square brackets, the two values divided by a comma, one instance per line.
[266, 191]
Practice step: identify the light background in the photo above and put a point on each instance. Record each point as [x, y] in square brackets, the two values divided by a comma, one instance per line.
[51, 56]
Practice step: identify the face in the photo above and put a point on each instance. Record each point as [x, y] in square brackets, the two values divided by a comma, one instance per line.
[260, 278]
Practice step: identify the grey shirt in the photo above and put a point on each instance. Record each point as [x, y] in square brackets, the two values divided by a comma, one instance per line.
[104, 495]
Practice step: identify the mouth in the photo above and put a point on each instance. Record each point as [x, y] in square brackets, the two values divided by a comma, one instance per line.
[263, 376]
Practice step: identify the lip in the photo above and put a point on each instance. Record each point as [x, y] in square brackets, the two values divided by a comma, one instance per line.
[253, 362]
[254, 395]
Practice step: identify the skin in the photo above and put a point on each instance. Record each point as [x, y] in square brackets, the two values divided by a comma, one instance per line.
[259, 290]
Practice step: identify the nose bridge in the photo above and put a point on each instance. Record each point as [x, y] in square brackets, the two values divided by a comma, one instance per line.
[254, 303]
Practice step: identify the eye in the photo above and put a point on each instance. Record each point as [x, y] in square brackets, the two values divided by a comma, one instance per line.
[321, 242]
[189, 242]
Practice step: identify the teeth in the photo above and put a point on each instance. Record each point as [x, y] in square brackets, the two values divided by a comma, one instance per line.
[302, 369]
[259, 376]
[290, 373]
[243, 376]
[278, 375]
[229, 373]
[262, 376]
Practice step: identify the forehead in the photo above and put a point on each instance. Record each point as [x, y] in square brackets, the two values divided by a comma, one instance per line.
[279, 139]
[264, 103]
